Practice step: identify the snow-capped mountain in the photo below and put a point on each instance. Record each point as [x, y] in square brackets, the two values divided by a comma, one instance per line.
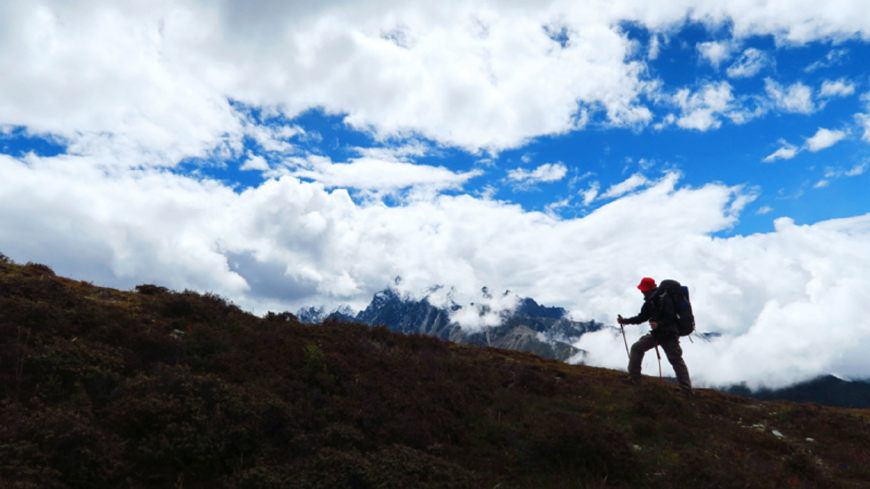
[315, 315]
[529, 326]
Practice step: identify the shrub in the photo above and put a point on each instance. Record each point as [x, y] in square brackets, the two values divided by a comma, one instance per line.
[281, 317]
[178, 306]
[151, 289]
[181, 422]
[38, 269]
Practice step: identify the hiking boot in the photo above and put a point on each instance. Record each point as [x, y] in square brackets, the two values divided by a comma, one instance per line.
[630, 380]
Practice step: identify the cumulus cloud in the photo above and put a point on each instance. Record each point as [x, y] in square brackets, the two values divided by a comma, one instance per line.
[785, 152]
[715, 52]
[158, 79]
[154, 84]
[824, 138]
[255, 162]
[102, 82]
[702, 110]
[750, 63]
[548, 172]
[796, 97]
[836, 88]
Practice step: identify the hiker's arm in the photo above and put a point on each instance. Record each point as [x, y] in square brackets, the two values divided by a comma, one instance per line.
[645, 313]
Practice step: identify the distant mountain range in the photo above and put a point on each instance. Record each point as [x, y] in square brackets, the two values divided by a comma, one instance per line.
[827, 389]
[530, 327]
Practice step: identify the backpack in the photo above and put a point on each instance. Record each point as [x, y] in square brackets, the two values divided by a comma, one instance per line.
[679, 295]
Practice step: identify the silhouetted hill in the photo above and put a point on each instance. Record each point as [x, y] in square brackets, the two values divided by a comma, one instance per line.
[159, 389]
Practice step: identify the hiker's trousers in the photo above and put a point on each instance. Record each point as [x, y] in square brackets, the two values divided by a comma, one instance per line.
[673, 351]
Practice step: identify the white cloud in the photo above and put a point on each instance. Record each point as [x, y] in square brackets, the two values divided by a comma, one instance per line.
[591, 193]
[863, 119]
[654, 47]
[824, 138]
[832, 173]
[487, 313]
[764, 210]
[381, 175]
[857, 170]
[785, 152]
[150, 84]
[833, 57]
[100, 78]
[796, 97]
[157, 79]
[548, 172]
[749, 64]
[702, 109]
[715, 52]
[630, 184]
[553, 208]
[255, 162]
[273, 138]
[288, 243]
[836, 88]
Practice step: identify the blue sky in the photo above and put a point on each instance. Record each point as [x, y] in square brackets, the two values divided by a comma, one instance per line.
[289, 154]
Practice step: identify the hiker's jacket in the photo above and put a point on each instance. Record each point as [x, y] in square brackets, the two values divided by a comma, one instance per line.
[659, 309]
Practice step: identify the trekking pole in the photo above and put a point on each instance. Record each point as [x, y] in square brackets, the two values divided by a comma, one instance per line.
[621, 327]
[659, 356]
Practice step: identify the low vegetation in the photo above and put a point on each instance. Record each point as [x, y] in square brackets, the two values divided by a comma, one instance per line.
[101, 388]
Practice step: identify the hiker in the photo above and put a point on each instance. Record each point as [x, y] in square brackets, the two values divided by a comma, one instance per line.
[665, 332]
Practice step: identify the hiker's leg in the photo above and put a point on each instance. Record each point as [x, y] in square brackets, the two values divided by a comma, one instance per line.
[675, 356]
[641, 346]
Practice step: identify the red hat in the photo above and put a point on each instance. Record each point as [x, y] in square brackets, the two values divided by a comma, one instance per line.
[646, 284]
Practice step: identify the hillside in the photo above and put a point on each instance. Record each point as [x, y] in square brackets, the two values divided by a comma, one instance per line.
[103, 389]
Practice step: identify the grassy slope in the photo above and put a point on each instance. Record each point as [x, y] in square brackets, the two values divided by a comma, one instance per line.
[99, 391]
